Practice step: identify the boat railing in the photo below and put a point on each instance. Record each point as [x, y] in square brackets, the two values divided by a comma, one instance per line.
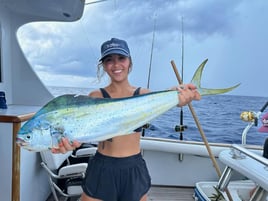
[252, 165]
[249, 153]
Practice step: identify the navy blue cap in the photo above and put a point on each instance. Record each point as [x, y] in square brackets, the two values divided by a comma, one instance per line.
[114, 46]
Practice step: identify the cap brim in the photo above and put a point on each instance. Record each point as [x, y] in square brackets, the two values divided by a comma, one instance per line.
[115, 51]
[263, 129]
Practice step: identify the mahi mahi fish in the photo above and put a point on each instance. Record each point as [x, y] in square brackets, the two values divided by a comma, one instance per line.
[88, 119]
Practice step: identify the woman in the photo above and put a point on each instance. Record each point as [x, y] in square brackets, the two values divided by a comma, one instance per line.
[118, 172]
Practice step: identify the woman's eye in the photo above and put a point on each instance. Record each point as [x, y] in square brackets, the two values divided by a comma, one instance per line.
[122, 58]
[107, 60]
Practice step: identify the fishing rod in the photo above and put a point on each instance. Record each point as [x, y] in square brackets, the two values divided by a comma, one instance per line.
[180, 128]
[252, 118]
[151, 57]
[149, 73]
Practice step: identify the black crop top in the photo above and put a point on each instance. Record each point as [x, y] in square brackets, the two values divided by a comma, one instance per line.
[136, 93]
[106, 95]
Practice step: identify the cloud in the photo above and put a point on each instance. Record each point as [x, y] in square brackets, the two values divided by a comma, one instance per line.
[231, 34]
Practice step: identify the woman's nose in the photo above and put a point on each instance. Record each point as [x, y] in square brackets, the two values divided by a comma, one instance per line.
[116, 61]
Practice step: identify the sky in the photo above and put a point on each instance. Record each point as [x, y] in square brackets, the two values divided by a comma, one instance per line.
[232, 35]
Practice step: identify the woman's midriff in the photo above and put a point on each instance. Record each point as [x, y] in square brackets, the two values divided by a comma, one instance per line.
[121, 146]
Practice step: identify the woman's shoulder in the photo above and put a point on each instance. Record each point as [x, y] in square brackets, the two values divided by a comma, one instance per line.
[95, 93]
[144, 91]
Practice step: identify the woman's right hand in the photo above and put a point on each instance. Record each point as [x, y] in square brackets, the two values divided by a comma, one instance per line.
[65, 146]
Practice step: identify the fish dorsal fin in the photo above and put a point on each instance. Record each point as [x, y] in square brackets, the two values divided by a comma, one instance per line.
[66, 100]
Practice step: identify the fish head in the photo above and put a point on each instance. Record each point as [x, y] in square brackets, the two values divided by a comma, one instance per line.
[35, 135]
[36, 140]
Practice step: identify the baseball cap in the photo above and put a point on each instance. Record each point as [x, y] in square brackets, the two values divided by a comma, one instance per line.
[264, 120]
[114, 46]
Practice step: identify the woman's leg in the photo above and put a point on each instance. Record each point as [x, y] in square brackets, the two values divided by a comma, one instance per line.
[144, 198]
[84, 197]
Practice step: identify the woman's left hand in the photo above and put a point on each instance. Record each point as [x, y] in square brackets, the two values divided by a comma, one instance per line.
[188, 92]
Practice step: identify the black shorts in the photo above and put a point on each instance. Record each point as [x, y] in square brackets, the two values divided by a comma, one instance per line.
[116, 179]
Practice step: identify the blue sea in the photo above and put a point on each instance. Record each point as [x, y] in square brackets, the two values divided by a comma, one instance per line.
[218, 115]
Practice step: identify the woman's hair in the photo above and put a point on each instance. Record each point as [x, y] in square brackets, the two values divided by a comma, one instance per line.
[101, 71]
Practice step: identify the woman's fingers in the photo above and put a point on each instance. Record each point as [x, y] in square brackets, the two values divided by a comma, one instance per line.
[65, 146]
[188, 92]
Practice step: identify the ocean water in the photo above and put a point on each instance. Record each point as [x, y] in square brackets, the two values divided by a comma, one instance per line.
[218, 115]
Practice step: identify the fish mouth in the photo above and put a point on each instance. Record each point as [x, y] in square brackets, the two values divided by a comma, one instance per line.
[21, 142]
[26, 145]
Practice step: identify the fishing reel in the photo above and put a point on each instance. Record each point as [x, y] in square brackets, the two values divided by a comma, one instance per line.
[144, 127]
[252, 118]
[249, 116]
[180, 128]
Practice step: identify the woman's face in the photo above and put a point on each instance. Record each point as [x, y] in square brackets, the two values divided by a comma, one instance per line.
[116, 66]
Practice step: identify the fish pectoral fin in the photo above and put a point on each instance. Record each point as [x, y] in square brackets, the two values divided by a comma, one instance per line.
[196, 80]
[56, 135]
[55, 141]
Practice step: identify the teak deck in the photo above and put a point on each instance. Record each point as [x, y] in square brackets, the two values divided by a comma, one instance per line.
[161, 193]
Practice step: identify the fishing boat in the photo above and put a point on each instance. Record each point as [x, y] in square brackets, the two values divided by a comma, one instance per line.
[180, 170]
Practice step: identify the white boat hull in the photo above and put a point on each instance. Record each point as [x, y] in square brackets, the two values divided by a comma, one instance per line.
[182, 163]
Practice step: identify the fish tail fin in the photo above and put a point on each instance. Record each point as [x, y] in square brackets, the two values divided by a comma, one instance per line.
[196, 80]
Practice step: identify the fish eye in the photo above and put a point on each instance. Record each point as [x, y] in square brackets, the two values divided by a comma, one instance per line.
[28, 137]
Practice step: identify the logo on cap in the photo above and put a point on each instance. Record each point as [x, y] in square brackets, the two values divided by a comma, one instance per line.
[112, 45]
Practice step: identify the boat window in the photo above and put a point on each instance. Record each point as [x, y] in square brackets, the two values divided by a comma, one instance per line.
[54, 52]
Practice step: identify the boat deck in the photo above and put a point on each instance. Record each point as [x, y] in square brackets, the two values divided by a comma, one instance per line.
[160, 193]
